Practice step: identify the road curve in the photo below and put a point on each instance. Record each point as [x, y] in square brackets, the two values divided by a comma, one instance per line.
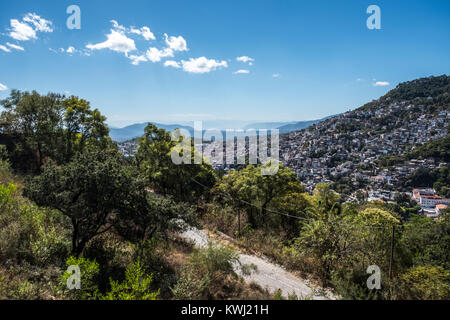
[268, 275]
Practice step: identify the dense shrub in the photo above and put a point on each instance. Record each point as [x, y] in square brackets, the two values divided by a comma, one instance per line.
[136, 286]
[88, 279]
[29, 233]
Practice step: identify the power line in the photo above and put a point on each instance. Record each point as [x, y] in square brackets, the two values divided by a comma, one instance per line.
[269, 210]
[251, 204]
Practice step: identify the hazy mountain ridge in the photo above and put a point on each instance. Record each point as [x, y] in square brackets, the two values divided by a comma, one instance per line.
[136, 130]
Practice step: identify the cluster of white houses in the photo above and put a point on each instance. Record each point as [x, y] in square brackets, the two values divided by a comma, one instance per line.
[430, 202]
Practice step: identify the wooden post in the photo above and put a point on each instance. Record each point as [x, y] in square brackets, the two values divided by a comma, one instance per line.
[239, 223]
[391, 262]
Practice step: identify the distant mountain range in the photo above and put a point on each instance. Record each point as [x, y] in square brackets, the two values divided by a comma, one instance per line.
[136, 130]
[296, 126]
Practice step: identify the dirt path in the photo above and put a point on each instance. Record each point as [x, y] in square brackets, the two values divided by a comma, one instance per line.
[268, 275]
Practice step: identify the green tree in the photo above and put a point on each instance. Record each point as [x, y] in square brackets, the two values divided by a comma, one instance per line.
[89, 190]
[426, 241]
[83, 127]
[147, 215]
[424, 283]
[248, 188]
[37, 127]
[185, 182]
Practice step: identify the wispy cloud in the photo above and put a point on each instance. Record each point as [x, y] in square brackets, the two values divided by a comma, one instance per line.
[276, 75]
[176, 43]
[29, 26]
[155, 54]
[202, 65]
[144, 32]
[3, 87]
[40, 24]
[21, 31]
[172, 63]
[245, 59]
[14, 46]
[116, 41]
[242, 71]
[71, 50]
[119, 41]
[137, 59]
[381, 84]
[3, 48]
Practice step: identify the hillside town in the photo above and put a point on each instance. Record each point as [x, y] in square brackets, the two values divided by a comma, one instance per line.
[348, 149]
[351, 145]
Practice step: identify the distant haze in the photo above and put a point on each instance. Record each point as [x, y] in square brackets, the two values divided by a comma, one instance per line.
[136, 130]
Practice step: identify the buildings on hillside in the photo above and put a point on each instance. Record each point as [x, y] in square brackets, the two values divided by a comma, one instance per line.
[350, 145]
[430, 202]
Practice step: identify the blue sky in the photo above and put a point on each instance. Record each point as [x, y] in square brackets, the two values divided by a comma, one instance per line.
[309, 59]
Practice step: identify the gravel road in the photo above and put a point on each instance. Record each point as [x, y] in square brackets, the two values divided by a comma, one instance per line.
[268, 275]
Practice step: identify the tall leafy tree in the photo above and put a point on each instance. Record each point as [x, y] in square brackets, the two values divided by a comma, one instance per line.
[90, 190]
[31, 127]
[185, 182]
[248, 188]
[37, 128]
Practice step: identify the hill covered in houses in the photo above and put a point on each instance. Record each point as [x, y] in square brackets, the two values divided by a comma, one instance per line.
[351, 151]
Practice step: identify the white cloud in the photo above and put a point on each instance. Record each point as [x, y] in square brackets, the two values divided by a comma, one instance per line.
[245, 59]
[40, 24]
[118, 27]
[135, 60]
[3, 87]
[3, 48]
[242, 71]
[155, 55]
[381, 84]
[16, 47]
[27, 28]
[116, 41]
[172, 63]
[144, 31]
[21, 31]
[202, 65]
[176, 43]
[71, 50]
[276, 75]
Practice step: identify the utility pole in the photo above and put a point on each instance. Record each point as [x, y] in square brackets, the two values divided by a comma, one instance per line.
[391, 262]
[239, 223]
